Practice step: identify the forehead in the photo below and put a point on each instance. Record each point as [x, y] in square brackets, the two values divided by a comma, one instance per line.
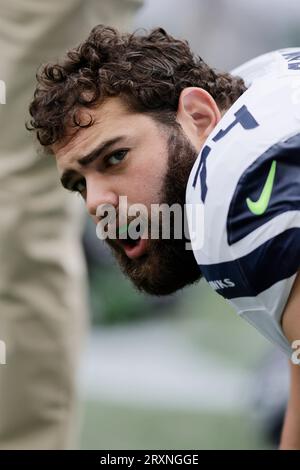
[110, 118]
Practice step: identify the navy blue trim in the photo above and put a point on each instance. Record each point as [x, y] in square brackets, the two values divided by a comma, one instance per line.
[285, 194]
[202, 171]
[242, 117]
[273, 261]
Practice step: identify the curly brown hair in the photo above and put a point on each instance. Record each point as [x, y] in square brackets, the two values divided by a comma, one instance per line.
[148, 71]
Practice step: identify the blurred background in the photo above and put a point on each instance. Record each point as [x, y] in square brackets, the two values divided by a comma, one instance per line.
[183, 372]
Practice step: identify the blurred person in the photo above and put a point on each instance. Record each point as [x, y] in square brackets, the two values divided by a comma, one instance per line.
[42, 278]
[138, 115]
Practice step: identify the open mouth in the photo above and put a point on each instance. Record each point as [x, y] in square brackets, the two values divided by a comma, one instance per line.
[133, 248]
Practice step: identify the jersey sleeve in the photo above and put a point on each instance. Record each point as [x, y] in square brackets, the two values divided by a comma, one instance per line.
[263, 231]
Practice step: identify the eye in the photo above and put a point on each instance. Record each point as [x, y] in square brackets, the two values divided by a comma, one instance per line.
[116, 157]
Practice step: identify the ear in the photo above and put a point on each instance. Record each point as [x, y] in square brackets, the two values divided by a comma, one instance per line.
[197, 114]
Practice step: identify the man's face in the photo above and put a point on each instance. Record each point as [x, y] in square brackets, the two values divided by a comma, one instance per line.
[130, 154]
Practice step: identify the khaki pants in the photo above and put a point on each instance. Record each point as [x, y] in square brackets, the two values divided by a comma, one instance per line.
[42, 276]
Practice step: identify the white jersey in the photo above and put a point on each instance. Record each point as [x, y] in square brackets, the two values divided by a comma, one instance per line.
[246, 180]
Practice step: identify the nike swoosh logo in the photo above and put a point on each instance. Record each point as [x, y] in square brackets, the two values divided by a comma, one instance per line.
[259, 207]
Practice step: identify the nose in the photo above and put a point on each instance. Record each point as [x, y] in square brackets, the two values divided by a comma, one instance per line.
[98, 193]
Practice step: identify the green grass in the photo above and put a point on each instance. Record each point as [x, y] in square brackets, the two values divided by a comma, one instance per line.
[108, 426]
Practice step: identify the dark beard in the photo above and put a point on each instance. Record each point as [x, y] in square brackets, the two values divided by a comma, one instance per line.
[167, 266]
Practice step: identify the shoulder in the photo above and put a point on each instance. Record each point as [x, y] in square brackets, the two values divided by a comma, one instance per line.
[274, 62]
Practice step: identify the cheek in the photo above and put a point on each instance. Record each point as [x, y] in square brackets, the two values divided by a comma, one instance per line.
[145, 186]
[147, 177]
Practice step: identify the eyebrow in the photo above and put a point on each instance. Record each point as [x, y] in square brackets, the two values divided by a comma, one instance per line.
[89, 158]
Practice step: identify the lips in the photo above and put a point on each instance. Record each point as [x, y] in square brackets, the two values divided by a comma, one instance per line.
[134, 249]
